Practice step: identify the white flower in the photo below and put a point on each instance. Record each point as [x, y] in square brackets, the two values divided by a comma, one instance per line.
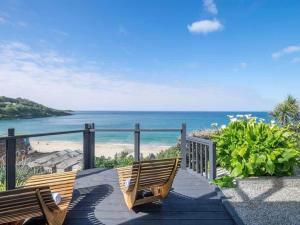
[230, 116]
[273, 121]
[223, 126]
[214, 124]
[248, 116]
[286, 135]
[233, 119]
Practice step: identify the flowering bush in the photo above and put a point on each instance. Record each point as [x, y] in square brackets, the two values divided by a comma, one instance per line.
[248, 147]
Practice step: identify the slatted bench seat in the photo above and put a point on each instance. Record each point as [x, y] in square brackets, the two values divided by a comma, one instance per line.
[154, 176]
[35, 199]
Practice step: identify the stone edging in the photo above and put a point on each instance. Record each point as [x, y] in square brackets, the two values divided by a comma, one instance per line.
[230, 209]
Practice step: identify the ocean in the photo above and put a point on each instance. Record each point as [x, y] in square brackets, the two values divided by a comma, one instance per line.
[113, 119]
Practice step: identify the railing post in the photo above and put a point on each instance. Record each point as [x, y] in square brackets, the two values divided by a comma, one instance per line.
[137, 142]
[92, 146]
[183, 146]
[212, 160]
[88, 147]
[201, 158]
[206, 159]
[11, 160]
[197, 157]
[190, 153]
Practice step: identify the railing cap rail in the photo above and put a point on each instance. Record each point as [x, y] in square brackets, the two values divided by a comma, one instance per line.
[92, 130]
[199, 140]
[114, 129]
[40, 134]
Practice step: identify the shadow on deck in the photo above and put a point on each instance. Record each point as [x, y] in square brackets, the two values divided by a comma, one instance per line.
[98, 200]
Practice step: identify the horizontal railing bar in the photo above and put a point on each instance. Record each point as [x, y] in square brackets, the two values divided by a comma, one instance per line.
[199, 140]
[114, 129]
[92, 130]
[142, 130]
[162, 130]
[41, 134]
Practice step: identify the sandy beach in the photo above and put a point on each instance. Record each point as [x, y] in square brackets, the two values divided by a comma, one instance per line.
[101, 149]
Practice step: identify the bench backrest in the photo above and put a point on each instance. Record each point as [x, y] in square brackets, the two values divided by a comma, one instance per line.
[152, 172]
[23, 203]
[62, 183]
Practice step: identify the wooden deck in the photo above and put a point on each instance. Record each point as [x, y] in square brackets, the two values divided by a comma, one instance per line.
[98, 200]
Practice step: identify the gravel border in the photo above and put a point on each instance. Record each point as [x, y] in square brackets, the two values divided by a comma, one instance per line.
[263, 200]
[229, 207]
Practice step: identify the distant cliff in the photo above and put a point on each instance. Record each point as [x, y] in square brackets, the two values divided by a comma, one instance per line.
[13, 108]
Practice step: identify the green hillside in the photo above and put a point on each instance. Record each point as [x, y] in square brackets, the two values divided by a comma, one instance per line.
[12, 108]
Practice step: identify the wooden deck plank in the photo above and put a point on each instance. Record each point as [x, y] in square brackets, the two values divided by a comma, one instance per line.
[98, 200]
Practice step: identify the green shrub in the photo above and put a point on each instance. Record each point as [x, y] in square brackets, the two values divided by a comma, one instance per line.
[2, 187]
[124, 159]
[247, 147]
[206, 133]
[171, 152]
[23, 172]
[2, 175]
[225, 181]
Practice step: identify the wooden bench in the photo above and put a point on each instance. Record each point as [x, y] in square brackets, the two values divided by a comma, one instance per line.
[35, 199]
[154, 176]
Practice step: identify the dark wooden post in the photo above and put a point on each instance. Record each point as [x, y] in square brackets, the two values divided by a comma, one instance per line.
[206, 152]
[212, 160]
[194, 156]
[190, 153]
[92, 146]
[202, 146]
[11, 160]
[183, 146]
[137, 142]
[197, 157]
[88, 146]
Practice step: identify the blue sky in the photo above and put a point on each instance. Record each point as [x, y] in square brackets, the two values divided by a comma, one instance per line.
[151, 55]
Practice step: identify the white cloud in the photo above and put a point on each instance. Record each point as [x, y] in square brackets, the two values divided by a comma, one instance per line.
[210, 6]
[285, 51]
[62, 33]
[55, 80]
[6, 19]
[205, 26]
[20, 52]
[243, 65]
[296, 60]
[2, 20]
[122, 30]
[22, 24]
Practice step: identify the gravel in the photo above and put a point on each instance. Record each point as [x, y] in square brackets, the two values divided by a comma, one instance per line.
[266, 200]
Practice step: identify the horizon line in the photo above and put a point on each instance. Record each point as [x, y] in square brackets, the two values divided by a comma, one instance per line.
[265, 111]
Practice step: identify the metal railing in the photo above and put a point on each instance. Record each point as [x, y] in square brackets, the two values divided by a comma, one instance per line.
[201, 156]
[88, 145]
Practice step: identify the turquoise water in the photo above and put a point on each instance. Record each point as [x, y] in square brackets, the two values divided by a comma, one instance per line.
[194, 120]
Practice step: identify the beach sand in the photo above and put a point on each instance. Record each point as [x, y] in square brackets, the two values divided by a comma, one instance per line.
[101, 149]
